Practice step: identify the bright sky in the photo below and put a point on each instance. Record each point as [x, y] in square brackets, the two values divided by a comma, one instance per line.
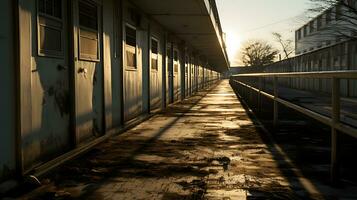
[244, 20]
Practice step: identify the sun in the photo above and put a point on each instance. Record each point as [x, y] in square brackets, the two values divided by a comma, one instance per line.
[233, 43]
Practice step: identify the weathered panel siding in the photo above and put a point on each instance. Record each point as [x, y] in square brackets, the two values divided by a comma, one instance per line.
[132, 94]
[89, 100]
[7, 82]
[109, 60]
[156, 75]
[143, 46]
[134, 78]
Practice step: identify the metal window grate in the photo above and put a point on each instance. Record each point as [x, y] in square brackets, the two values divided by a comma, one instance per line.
[50, 28]
[175, 55]
[154, 54]
[88, 33]
[130, 36]
[88, 15]
[154, 46]
[50, 7]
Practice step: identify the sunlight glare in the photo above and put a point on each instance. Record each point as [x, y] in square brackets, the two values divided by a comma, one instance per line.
[233, 43]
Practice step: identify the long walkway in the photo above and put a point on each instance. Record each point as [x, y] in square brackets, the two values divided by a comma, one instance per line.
[205, 147]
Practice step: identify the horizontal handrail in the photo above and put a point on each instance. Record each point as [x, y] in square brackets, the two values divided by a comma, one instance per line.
[346, 74]
[349, 130]
[333, 121]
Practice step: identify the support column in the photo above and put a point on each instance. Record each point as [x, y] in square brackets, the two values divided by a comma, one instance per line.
[334, 133]
[276, 109]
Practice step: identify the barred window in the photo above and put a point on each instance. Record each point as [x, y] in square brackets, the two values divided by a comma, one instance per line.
[175, 55]
[312, 27]
[154, 46]
[154, 54]
[176, 61]
[88, 15]
[130, 36]
[88, 31]
[50, 28]
[130, 47]
[51, 8]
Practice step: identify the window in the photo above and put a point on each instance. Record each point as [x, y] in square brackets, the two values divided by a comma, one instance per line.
[338, 12]
[312, 27]
[88, 31]
[50, 28]
[130, 47]
[175, 61]
[168, 53]
[319, 22]
[328, 16]
[154, 54]
[187, 64]
[52, 8]
[299, 34]
[305, 30]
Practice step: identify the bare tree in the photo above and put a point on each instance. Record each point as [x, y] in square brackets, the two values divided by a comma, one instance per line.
[287, 45]
[258, 53]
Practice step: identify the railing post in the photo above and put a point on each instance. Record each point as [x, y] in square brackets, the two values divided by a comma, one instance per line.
[276, 109]
[334, 133]
[260, 94]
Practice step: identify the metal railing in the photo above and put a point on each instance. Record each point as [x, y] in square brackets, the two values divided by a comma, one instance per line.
[333, 121]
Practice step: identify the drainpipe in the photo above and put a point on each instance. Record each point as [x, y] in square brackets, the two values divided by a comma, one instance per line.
[16, 41]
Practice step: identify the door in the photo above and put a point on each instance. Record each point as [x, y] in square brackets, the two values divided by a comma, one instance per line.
[155, 78]
[132, 74]
[50, 135]
[88, 70]
[187, 80]
[176, 76]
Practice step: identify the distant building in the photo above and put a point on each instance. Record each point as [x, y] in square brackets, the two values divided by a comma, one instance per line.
[244, 70]
[334, 25]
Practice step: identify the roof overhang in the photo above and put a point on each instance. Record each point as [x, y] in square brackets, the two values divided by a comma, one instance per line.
[194, 22]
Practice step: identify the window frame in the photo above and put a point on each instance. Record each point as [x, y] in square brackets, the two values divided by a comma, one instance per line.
[187, 65]
[319, 24]
[48, 18]
[176, 61]
[153, 38]
[130, 48]
[328, 16]
[312, 26]
[82, 28]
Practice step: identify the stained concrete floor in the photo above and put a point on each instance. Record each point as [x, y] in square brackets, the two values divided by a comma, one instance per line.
[205, 147]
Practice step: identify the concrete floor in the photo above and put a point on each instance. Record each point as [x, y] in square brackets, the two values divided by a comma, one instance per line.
[205, 147]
